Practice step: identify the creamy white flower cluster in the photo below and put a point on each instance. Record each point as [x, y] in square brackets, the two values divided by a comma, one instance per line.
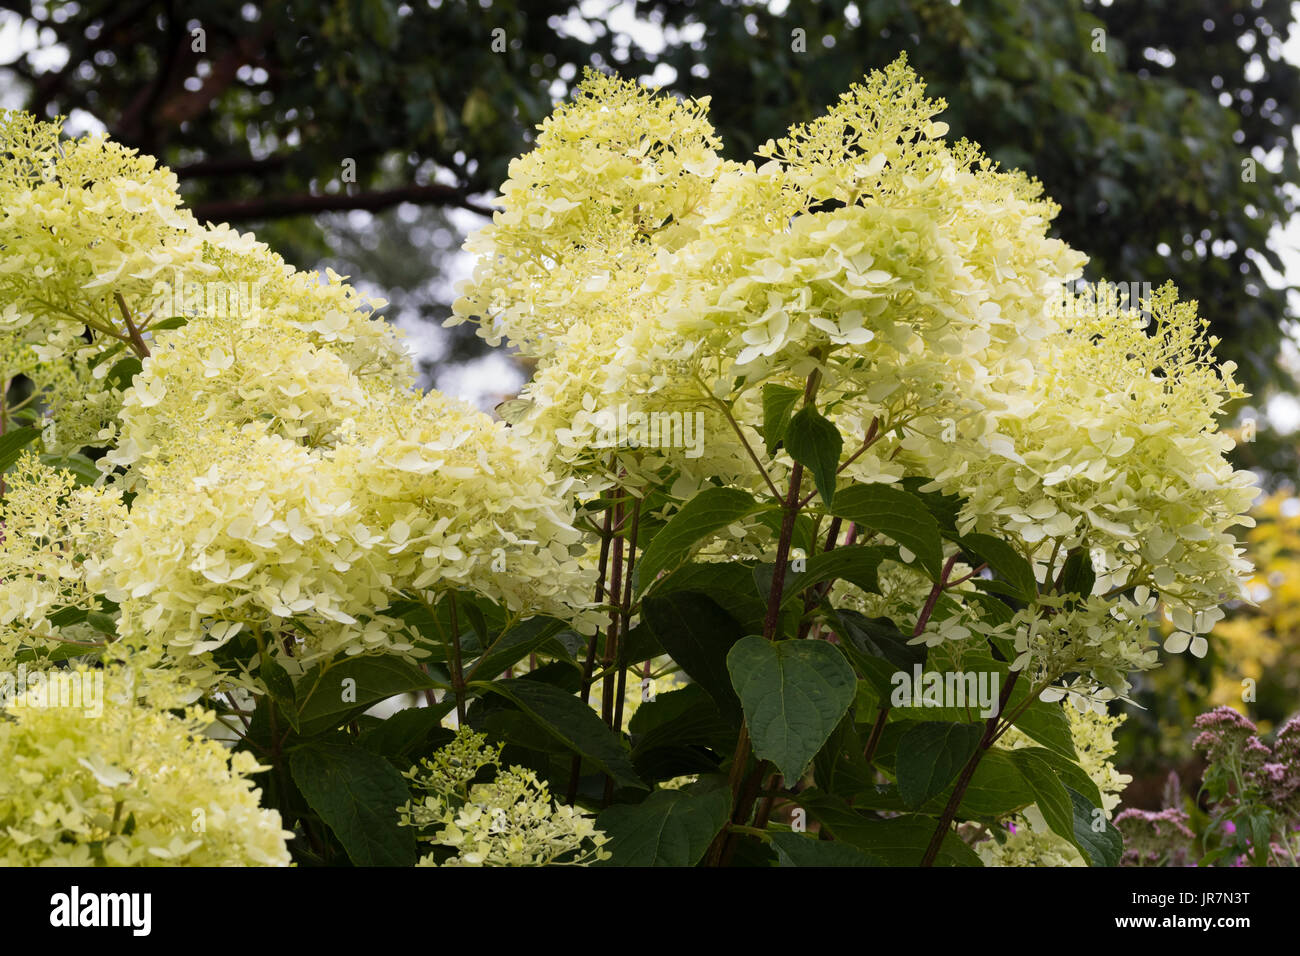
[283, 476]
[254, 530]
[919, 282]
[134, 785]
[509, 821]
[50, 527]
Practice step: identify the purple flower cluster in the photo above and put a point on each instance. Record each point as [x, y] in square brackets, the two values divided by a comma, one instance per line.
[1223, 733]
[1244, 779]
[1287, 745]
[1154, 838]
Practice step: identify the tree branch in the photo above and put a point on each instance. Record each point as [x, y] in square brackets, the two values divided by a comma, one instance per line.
[230, 166]
[277, 207]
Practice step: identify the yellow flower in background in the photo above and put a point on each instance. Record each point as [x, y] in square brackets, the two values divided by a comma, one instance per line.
[1258, 642]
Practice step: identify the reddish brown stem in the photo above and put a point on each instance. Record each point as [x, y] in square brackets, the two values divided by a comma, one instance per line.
[589, 665]
[621, 652]
[944, 825]
[132, 333]
[742, 800]
[611, 635]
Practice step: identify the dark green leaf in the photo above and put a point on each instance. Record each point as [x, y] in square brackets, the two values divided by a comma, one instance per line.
[816, 444]
[778, 404]
[123, 371]
[1078, 576]
[99, 357]
[945, 508]
[1072, 775]
[571, 722]
[897, 514]
[880, 637]
[729, 583]
[356, 793]
[840, 766]
[639, 644]
[858, 564]
[665, 763]
[995, 789]
[280, 686]
[329, 697]
[1049, 793]
[668, 828]
[1099, 848]
[512, 646]
[794, 694]
[67, 616]
[997, 611]
[797, 849]
[79, 466]
[697, 634]
[1006, 561]
[1044, 721]
[12, 444]
[930, 755]
[409, 734]
[58, 652]
[682, 717]
[898, 841]
[707, 513]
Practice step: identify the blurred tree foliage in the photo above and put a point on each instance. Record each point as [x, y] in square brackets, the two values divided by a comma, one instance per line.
[1137, 117]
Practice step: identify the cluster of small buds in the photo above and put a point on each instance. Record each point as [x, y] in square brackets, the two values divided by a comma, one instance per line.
[1278, 778]
[1155, 837]
[1223, 732]
[508, 821]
